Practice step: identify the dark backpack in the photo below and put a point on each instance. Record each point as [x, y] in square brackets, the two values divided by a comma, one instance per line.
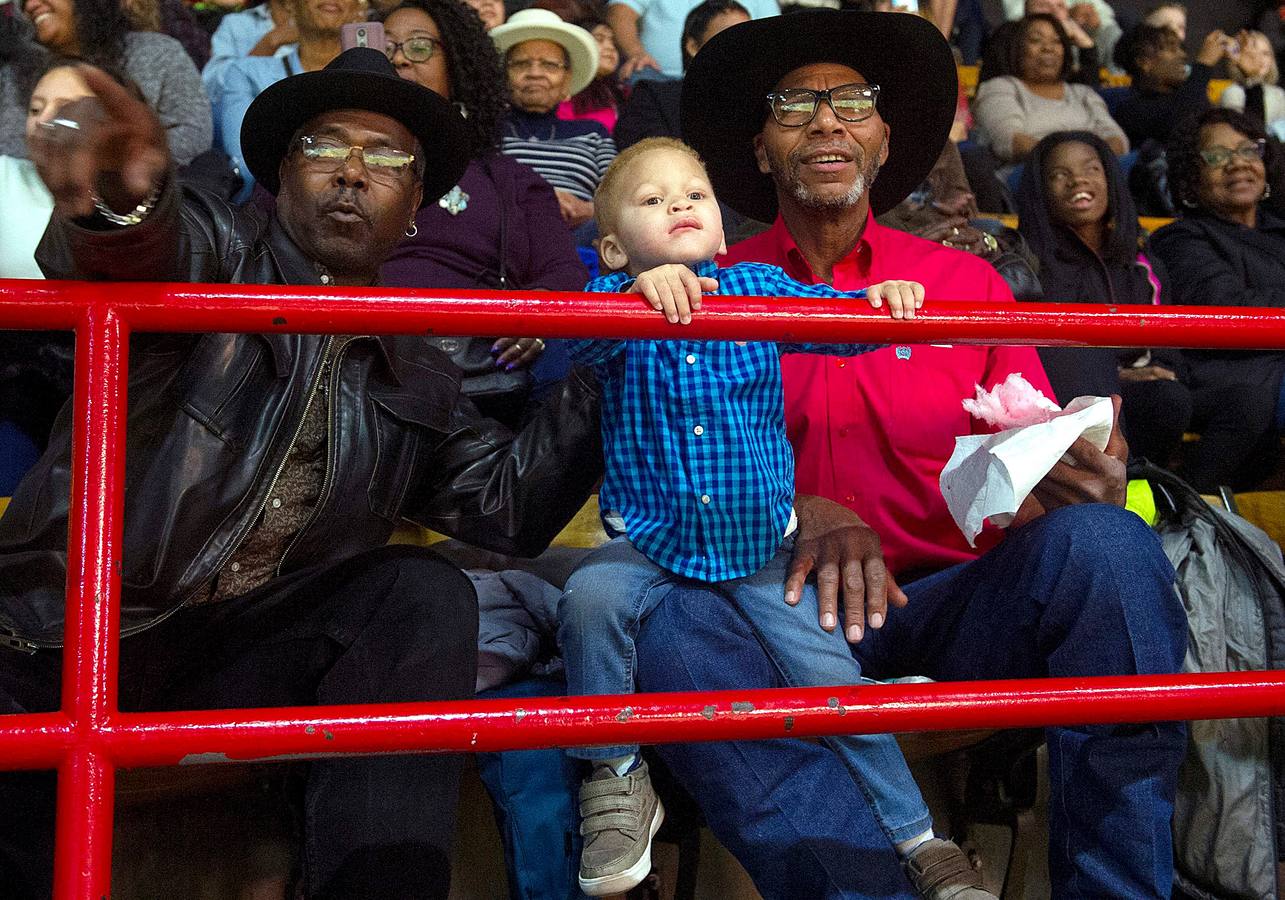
[1231, 576]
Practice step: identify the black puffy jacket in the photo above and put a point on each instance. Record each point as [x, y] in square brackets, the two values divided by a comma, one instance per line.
[212, 416]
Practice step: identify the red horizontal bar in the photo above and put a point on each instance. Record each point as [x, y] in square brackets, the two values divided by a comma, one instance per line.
[194, 737]
[34, 740]
[184, 307]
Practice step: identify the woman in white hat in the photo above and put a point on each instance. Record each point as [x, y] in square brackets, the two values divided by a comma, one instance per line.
[547, 61]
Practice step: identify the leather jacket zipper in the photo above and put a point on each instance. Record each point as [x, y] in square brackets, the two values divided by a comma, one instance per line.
[329, 387]
[10, 639]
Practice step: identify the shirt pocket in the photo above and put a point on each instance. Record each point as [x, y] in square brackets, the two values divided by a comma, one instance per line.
[223, 382]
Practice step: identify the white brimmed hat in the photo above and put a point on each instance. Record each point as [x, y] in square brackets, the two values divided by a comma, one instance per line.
[544, 25]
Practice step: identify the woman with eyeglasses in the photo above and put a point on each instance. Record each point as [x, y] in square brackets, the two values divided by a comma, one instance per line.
[500, 227]
[1228, 249]
[548, 61]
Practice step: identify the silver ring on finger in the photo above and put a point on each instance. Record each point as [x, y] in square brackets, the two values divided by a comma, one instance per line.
[538, 343]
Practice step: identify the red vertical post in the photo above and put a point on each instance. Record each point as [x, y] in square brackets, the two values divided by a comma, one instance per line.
[86, 777]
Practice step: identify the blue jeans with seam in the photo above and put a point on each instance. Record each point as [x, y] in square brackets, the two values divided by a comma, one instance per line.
[1081, 591]
[617, 587]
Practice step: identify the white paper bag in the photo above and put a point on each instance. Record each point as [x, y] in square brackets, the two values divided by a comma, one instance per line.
[990, 475]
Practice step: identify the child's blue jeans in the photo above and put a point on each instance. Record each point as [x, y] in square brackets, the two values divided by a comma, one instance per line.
[616, 587]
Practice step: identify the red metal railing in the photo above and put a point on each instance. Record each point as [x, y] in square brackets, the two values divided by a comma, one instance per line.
[89, 738]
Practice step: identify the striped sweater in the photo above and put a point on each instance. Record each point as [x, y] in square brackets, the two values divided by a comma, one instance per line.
[571, 155]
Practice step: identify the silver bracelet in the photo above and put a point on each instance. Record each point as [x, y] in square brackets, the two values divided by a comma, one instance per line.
[134, 216]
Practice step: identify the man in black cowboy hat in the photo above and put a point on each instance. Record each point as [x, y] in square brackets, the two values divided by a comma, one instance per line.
[817, 122]
[266, 472]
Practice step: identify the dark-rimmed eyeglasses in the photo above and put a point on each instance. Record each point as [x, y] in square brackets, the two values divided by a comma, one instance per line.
[796, 107]
[1217, 157]
[417, 49]
[329, 155]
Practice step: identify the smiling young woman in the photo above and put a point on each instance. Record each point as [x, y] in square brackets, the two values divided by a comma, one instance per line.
[99, 32]
[1080, 222]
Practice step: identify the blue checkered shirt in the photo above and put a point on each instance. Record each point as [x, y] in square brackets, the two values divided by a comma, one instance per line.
[698, 464]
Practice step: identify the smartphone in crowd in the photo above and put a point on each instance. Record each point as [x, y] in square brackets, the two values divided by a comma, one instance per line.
[362, 34]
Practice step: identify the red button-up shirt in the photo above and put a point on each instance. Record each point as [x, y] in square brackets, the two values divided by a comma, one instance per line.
[873, 432]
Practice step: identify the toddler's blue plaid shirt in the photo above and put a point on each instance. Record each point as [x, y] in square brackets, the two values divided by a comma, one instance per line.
[698, 464]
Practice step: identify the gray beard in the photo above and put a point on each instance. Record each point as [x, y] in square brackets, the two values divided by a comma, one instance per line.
[848, 199]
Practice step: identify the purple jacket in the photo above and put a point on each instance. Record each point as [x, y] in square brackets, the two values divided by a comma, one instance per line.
[463, 250]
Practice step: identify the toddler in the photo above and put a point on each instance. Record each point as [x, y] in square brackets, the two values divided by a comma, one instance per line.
[699, 485]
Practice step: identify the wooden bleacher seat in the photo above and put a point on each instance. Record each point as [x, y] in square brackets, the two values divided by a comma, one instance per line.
[1149, 223]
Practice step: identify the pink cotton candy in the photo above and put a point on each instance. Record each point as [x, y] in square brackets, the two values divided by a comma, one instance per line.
[1012, 404]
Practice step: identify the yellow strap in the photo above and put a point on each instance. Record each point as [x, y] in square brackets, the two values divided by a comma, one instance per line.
[1140, 499]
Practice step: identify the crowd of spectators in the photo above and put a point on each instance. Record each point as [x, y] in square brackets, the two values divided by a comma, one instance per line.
[1084, 115]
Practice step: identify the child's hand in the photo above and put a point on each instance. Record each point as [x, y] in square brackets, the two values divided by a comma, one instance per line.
[674, 290]
[904, 297]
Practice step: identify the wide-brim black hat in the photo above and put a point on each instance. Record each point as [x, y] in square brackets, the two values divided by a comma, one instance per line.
[724, 95]
[360, 78]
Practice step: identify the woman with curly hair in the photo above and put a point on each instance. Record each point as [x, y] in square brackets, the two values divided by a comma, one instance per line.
[99, 32]
[1228, 249]
[500, 227]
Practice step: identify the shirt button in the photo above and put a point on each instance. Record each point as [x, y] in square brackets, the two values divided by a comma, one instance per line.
[691, 359]
[235, 567]
[276, 502]
[325, 279]
[704, 498]
[850, 498]
[698, 430]
[842, 363]
[843, 432]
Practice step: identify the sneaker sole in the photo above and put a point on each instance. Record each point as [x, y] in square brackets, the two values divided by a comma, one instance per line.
[631, 877]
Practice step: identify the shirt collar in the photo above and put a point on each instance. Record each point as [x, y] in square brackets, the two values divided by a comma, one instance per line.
[796, 265]
[706, 269]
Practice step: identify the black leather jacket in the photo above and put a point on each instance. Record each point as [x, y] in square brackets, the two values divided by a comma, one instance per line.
[212, 416]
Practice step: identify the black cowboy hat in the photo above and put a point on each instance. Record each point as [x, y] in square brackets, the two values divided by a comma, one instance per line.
[360, 78]
[724, 95]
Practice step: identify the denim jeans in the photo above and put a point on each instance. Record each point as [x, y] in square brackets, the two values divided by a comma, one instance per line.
[1082, 590]
[534, 794]
[615, 589]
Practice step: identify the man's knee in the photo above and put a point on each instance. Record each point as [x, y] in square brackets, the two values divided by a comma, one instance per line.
[430, 605]
[1100, 536]
[1115, 572]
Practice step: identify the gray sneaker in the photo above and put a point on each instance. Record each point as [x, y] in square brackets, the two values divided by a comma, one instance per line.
[939, 870]
[619, 815]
